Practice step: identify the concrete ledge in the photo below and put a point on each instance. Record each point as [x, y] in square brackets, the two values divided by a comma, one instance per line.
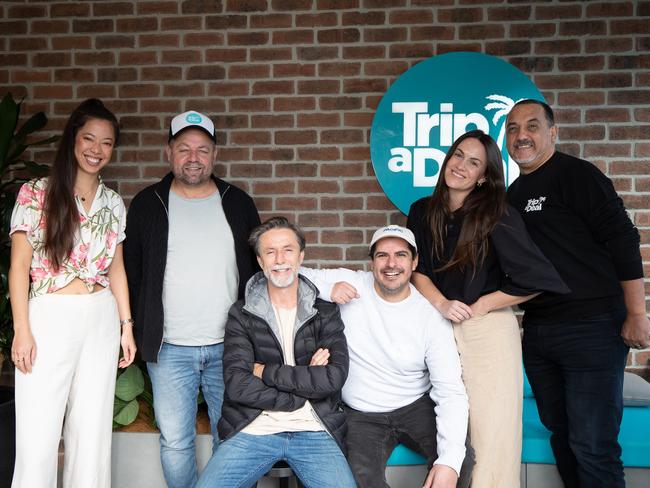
[546, 476]
[136, 464]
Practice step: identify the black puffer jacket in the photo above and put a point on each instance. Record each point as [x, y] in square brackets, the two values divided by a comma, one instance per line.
[252, 336]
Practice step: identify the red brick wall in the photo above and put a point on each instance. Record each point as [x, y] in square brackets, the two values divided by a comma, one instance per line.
[293, 84]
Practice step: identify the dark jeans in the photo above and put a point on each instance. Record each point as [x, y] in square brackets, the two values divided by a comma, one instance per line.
[576, 373]
[373, 436]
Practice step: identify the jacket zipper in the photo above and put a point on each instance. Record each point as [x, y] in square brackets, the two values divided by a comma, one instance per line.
[304, 322]
[166, 213]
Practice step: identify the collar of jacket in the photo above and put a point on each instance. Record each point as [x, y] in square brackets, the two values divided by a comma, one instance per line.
[163, 187]
[258, 302]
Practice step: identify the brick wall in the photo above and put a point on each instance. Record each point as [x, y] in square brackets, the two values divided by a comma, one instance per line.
[292, 86]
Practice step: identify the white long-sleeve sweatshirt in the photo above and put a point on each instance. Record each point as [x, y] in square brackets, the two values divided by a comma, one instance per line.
[398, 352]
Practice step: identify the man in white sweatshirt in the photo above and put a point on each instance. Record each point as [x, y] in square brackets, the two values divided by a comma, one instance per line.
[404, 384]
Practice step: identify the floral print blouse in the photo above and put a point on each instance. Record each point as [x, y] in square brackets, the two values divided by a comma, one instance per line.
[100, 231]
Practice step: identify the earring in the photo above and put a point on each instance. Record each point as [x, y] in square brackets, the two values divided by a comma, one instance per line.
[479, 183]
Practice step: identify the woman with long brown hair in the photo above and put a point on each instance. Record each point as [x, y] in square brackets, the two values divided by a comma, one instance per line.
[69, 298]
[476, 262]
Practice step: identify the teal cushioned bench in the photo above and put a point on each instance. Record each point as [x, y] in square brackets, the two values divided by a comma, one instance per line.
[403, 456]
[536, 448]
[634, 436]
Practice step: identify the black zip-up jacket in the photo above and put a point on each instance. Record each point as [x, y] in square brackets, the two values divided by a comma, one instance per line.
[252, 336]
[145, 254]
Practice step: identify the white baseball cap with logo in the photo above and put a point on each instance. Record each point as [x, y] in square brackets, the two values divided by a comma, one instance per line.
[394, 231]
[191, 119]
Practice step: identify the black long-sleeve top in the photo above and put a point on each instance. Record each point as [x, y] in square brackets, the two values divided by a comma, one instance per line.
[513, 265]
[574, 215]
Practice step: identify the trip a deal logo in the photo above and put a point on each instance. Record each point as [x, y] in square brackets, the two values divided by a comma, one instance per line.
[430, 106]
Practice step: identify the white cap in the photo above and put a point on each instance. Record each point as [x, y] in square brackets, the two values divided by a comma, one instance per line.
[394, 231]
[191, 119]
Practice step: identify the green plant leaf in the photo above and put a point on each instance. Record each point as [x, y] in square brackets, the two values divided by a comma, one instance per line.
[6, 208]
[34, 123]
[8, 119]
[43, 142]
[15, 150]
[118, 405]
[127, 414]
[129, 384]
[36, 169]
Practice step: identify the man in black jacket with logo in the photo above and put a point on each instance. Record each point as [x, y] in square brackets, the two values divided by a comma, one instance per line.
[575, 345]
[285, 362]
[187, 261]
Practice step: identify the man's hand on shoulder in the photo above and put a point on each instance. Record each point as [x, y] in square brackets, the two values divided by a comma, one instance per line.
[441, 476]
[636, 331]
[343, 292]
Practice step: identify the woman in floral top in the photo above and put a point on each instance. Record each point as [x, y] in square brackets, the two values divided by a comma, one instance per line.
[66, 234]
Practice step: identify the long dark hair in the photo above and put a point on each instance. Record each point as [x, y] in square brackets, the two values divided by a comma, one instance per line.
[60, 211]
[481, 210]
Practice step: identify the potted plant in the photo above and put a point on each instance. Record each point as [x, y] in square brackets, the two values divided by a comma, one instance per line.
[131, 387]
[15, 169]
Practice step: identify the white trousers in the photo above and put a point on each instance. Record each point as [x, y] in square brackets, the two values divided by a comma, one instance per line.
[77, 345]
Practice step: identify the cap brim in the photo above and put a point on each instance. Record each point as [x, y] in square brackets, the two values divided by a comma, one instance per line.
[201, 128]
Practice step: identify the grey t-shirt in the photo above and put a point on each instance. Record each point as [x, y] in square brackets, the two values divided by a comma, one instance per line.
[201, 277]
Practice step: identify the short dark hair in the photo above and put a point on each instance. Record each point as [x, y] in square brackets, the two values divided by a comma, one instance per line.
[548, 111]
[275, 223]
[414, 251]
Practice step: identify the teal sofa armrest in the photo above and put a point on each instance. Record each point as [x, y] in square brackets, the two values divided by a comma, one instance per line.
[403, 456]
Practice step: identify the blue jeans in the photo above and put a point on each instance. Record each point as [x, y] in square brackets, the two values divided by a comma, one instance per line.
[243, 459]
[175, 379]
[576, 370]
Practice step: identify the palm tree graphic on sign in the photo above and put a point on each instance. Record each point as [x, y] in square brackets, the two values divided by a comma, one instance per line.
[503, 105]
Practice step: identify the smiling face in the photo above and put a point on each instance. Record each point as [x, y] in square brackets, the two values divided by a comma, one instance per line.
[465, 168]
[392, 266]
[280, 257]
[93, 145]
[191, 155]
[530, 138]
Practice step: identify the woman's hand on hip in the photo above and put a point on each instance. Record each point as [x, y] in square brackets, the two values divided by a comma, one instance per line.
[454, 310]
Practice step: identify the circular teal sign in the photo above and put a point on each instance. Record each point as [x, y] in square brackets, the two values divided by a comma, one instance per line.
[430, 106]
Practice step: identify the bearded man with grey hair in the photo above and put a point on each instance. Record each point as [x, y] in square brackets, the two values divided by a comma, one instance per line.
[285, 362]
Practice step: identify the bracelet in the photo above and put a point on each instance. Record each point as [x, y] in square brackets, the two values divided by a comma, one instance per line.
[126, 322]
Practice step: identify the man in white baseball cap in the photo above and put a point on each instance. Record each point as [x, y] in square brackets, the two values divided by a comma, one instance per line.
[404, 384]
[191, 119]
[187, 261]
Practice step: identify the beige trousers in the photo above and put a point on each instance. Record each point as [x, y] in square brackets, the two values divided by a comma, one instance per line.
[77, 344]
[490, 356]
